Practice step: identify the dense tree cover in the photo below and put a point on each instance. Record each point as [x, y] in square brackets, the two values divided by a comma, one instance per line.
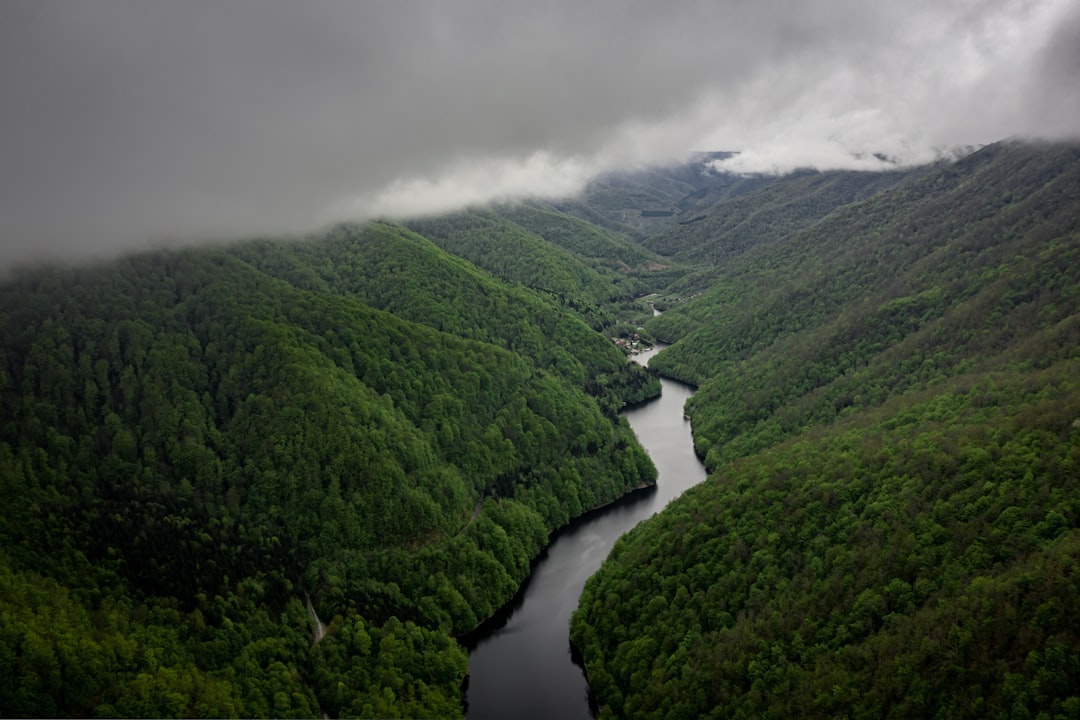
[889, 406]
[920, 560]
[393, 269]
[193, 442]
[580, 266]
[751, 214]
[187, 443]
[606, 249]
[715, 215]
[765, 212]
[509, 251]
[887, 308]
[971, 206]
[911, 286]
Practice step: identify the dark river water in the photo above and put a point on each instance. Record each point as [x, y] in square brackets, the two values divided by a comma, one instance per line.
[520, 665]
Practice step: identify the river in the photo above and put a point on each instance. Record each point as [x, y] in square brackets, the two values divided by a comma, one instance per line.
[520, 665]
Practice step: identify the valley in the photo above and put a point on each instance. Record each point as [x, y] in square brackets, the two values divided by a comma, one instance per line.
[521, 665]
[387, 426]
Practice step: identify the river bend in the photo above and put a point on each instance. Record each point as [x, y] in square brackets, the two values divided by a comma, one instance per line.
[520, 665]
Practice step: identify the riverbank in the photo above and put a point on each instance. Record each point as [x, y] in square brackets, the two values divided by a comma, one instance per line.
[520, 660]
[499, 618]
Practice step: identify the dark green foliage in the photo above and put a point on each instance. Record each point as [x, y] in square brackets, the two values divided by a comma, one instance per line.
[921, 559]
[889, 403]
[188, 442]
[570, 262]
[751, 214]
[767, 211]
[910, 287]
[126, 657]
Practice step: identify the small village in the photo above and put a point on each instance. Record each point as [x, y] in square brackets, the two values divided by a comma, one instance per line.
[633, 344]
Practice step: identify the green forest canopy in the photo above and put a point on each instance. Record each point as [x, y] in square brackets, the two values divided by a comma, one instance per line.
[889, 409]
[391, 421]
[192, 444]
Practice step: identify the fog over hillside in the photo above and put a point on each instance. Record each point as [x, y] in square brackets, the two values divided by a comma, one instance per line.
[129, 124]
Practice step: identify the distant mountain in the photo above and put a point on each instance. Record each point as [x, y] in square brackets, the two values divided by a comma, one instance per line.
[761, 211]
[695, 218]
[645, 201]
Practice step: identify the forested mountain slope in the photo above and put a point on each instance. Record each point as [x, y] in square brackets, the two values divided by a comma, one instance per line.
[755, 212]
[581, 266]
[644, 202]
[390, 268]
[696, 219]
[190, 445]
[514, 254]
[910, 286]
[889, 406]
[602, 248]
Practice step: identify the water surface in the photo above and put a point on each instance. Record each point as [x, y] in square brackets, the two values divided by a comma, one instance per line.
[520, 664]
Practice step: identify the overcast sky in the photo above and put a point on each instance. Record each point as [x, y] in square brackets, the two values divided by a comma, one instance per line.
[137, 122]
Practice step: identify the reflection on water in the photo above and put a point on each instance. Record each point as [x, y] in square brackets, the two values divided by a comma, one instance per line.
[520, 662]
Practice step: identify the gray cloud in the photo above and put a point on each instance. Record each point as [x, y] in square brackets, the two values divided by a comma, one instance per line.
[129, 123]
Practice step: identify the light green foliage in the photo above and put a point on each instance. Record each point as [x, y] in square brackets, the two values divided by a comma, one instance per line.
[602, 248]
[393, 269]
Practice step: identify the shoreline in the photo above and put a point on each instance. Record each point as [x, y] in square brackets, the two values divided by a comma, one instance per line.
[503, 613]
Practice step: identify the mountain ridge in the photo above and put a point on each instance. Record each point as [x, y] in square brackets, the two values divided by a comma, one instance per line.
[888, 408]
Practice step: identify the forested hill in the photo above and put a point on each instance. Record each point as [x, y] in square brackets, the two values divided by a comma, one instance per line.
[889, 407]
[642, 203]
[390, 268]
[754, 211]
[576, 264]
[192, 442]
[391, 421]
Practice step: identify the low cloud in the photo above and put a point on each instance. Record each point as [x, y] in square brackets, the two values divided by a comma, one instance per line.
[780, 159]
[472, 182]
[128, 124]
